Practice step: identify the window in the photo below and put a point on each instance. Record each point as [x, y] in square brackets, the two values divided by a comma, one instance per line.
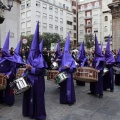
[56, 27]
[56, 10]
[96, 21]
[61, 12]
[28, 24]
[45, 25]
[88, 14]
[74, 35]
[96, 4]
[28, 13]
[23, 25]
[50, 8]
[23, 6]
[106, 18]
[69, 23]
[38, 13]
[61, 29]
[81, 32]
[56, 19]
[50, 17]
[74, 19]
[50, 26]
[89, 6]
[28, 3]
[28, 33]
[74, 27]
[88, 22]
[44, 6]
[67, 8]
[88, 31]
[82, 7]
[44, 16]
[64, 6]
[23, 33]
[37, 3]
[23, 15]
[61, 20]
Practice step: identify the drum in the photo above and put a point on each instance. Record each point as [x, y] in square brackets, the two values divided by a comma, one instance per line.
[116, 69]
[54, 66]
[105, 70]
[60, 77]
[20, 72]
[20, 85]
[86, 74]
[3, 81]
[52, 74]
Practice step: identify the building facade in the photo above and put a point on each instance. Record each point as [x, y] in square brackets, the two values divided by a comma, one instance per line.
[94, 17]
[115, 11]
[12, 23]
[55, 16]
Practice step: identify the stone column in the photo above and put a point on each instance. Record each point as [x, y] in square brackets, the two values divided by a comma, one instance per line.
[115, 11]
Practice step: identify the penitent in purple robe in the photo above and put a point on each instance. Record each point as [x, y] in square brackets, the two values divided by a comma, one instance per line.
[33, 99]
[98, 63]
[97, 87]
[67, 92]
[108, 82]
[7, 66]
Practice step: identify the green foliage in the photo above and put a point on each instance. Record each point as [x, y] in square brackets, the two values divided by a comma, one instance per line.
[89, 40]
[48, 39]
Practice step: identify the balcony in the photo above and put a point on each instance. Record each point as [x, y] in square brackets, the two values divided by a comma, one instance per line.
[88, 17]
[88, 25]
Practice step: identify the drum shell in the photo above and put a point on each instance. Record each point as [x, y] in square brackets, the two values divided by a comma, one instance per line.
[21, 85]
[59, 78]
[86, 74]
[3, 82]
[52, 74]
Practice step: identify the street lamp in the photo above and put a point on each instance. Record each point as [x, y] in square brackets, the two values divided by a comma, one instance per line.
[8, 7]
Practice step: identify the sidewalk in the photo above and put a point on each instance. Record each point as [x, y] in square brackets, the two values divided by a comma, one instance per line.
[87, 107]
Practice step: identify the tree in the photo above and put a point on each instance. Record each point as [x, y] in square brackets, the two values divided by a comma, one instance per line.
[89, 40]
[48, 39]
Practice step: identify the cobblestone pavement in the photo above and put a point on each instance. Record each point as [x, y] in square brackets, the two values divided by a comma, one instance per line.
[87, 107]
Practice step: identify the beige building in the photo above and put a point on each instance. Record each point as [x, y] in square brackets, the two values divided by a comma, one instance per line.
[12, 23]
[94, 17]
[55, 16]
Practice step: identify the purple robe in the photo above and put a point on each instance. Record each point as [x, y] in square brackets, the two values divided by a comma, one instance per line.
[108, 79]
[33, 99]
[97, 87]
[7, 95]
[67, 92]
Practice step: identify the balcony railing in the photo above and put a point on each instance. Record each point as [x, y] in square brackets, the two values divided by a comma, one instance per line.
[88, 17]
[88, 25]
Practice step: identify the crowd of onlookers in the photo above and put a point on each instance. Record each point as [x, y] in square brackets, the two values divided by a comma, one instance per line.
[50, 55]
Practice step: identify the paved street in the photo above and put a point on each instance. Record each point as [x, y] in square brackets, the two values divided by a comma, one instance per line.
[87, 107]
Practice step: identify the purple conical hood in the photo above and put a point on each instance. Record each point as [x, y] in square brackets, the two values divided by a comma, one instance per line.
[5, 49]
[58, 51]
[80, 49]
[34, 50]
[118, 57]
[81, 53]
[67, 44]
[35, 41]
[67, 59]
[41, 46]
[108, 54]
[98, 53]
[17, 53]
